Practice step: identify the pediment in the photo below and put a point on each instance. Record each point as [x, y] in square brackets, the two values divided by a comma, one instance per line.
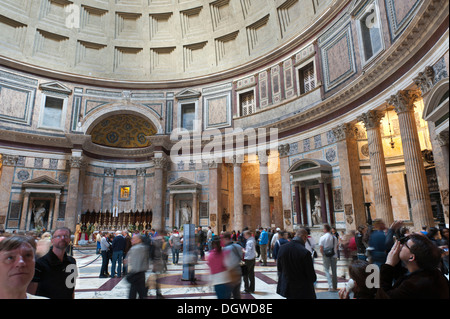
[183, 183]
[187, 94]
[43, 182]
[56, 87]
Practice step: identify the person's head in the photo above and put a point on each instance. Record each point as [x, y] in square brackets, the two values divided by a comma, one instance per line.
[247, 234]
[226, 238]
[215, 244]
[136, 239]
[433, 232]
[302, 233]
[444, 233]
[17, 261]
[379, 224]
[124, 233]
[61, 238]
[362, 229]
[358, 272]
[326, 228]
[420, 251]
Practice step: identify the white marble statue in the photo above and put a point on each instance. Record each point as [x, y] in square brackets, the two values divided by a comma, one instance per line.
[316, 215]
[39, 214]
[186, 214]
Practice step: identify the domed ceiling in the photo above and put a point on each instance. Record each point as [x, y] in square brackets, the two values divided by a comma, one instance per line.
[151, 40]
[123, 131]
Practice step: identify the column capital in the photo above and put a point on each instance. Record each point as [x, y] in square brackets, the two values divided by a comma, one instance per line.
[344, 131]
[77, 162]
[404, 100]
[442, 138]
[141, 172]
[263, 157]
[238, 160]
[371, 119]
[425, 80]
[9, 160]
[284, 150]
[110, 172]
[213, 163]
[160, 162]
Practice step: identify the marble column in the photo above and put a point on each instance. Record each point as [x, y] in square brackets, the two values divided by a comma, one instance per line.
[442, 169]
[214, 194]
[76, 163]
[25, 204]
[303, 205]
[403, 103]
[264, 188]
[238, 201]
[351, 180]
[140, 188]
[298, 209]
[158, 221]
[323, 202]
[195, 217]
[171, 211]
[442, 141]
[382, 195]
[330, 203]
[56, 211]
[6, 178]
[108, 189]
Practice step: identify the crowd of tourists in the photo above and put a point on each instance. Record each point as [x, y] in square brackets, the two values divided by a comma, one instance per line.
[401, 264]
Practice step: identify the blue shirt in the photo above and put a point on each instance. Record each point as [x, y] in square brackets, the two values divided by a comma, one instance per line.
[264, 238]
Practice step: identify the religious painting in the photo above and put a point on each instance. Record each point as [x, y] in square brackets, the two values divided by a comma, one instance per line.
[125, 193]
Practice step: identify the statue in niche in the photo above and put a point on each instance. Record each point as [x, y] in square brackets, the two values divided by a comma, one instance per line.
[317, 211]
[39, 214]
[186, 214]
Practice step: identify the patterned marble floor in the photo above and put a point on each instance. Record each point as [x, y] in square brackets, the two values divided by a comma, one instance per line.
[90, 286]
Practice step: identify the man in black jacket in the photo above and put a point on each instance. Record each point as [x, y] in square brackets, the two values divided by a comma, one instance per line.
[423, 280]
[296, 269]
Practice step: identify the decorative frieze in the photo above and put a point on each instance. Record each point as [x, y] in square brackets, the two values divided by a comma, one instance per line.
[77, 162]
[9, 160]
[284, 149]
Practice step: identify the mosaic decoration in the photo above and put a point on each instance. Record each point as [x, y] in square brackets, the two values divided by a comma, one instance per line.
[123, 131]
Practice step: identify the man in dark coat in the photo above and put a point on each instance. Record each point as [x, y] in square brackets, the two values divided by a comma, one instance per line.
[423, 279]
[296, 269]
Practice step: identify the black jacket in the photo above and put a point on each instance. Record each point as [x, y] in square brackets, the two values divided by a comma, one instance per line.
[421, 284]
[296, 271]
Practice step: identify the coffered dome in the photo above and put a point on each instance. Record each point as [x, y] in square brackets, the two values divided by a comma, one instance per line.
[154, 40]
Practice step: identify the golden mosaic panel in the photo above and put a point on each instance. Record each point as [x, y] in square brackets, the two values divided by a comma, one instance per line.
[123, 131]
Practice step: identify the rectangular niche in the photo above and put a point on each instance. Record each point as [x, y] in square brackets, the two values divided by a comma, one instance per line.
[12, 34]
[93, 20]
[220, 13]
[258, 34]
[162, 59]
[288, 14]
[160, 26]
[226, 47]
[50, 46]
[192, 23]
[194, 56]
[17, 6]
[54, 12]
[128, 59]
[128, 25]
[89, 55]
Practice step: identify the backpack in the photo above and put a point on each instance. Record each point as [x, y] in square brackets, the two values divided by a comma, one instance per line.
[329, 252]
